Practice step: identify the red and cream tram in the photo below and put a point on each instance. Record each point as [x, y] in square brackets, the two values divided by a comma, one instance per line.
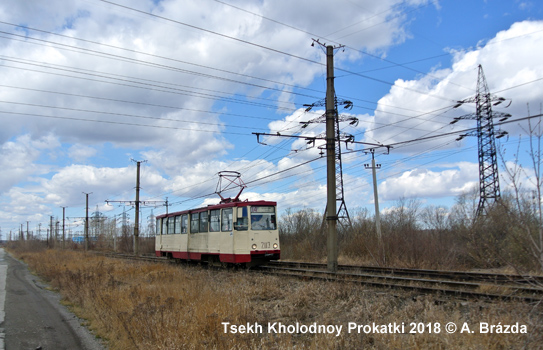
[229, 233]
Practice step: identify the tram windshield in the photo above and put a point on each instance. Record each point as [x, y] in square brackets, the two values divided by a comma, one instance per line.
[263, 218]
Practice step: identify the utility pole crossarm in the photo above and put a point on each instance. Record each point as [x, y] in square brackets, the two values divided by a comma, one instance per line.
[319, 137]
[143, 203]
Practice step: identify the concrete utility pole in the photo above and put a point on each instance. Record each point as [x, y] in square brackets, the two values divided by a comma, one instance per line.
[374, 168]
[331, 213]
[137, 217]
[87, 221]
[50, 235]
[333, 138]
[63, 227]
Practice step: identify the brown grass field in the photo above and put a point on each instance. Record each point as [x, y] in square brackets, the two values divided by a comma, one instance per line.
[133, 305]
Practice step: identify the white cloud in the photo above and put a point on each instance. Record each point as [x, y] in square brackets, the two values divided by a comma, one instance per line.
[18, 159]
[510, 65]
[66, 187]
[19, 205]
[79, 153]
[424, 183]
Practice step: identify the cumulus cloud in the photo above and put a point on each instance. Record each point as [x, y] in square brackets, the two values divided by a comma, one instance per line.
[454, 180]
[66, 187]
[79, 153]
[18, 159]
[511, 69]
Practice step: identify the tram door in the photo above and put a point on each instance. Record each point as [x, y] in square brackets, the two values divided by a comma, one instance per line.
[158, 235]
[213, 243]
[227, 234]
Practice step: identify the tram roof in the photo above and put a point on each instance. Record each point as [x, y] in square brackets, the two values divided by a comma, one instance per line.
[218, 206]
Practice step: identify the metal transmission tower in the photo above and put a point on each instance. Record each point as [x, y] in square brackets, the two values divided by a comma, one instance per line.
[489, 184]
[342, 213]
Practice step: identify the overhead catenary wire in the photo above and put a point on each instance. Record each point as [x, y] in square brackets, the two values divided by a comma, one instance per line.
[404, 142]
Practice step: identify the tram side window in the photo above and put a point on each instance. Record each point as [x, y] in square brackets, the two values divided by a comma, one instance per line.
[171, 225]
[165, 226]
[184, 223]
[226, 220]
[158, 227]
[203, 221]
[194, 223]
[215, 220]
[178, 224]
[242, 223]
[263, 218]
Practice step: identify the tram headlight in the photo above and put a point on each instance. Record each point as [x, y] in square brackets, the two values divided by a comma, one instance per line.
[254, 246]
[275, 246]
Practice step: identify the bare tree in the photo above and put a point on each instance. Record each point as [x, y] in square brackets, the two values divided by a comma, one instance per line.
[527, 200]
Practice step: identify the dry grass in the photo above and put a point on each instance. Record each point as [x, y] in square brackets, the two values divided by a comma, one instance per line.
[142, 305]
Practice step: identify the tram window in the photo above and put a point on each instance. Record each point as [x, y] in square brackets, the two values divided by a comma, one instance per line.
[165, 226]
[194, 223]
[184, 223]
[242, 223]
[215, 220]
[263, 218]
[203, 221]
[226, 220]
[158, 227]
[171, 225]
[178, 224]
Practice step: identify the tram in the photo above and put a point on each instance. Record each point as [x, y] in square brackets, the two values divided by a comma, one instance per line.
[235, 232]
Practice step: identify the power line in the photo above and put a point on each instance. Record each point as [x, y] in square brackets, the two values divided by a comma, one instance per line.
[128, 115]
[108, 55]
[137, 102]
[146, 54]
[213, 32]
[268, 48]
[154, 87]
[120, 123]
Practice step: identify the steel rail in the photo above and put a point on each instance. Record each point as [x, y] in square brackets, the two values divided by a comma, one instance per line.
[452, 275]
[426, 285]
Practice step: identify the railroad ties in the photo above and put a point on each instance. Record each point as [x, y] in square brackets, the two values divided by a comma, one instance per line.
[459, 284]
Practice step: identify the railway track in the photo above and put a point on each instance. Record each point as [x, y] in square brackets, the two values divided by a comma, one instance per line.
[442, 274]
[460, 284]
[457, 283]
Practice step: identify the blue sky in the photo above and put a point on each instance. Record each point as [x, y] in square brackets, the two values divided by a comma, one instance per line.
[89, 85]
